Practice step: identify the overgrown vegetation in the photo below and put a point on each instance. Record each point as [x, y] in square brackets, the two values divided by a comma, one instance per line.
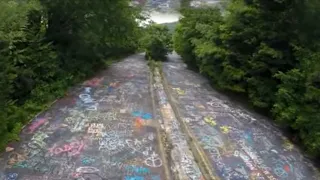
[267, 50]
[156, 42]
[45, 46]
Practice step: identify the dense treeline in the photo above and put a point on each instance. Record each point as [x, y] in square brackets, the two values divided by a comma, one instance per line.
[267, 50]
[45, 46]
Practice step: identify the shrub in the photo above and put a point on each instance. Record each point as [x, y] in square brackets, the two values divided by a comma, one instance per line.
[156, 42]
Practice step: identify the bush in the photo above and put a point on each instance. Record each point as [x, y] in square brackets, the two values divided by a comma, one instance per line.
[267, 50]
[156, 42]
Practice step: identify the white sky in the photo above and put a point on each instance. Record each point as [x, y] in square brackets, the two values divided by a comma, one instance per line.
[159, 17]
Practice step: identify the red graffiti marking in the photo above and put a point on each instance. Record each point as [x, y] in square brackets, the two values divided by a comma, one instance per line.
[286, 168]
[36, 125]
[138, 122]
[73, 148]
[93, 82]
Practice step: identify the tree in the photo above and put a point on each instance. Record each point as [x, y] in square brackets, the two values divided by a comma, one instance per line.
[46, 46]
[156, 42]
[86, 30]
[20, 50]
[266, 50]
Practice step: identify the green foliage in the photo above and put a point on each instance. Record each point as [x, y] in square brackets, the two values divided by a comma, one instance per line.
[46, 46]
[156, 42]
[298, 99]
[267, 50]
[171, 26]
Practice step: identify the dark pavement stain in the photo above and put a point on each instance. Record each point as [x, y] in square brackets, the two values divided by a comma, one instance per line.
[103, 130]
[240, 145]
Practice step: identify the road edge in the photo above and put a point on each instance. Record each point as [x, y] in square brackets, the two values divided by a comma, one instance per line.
[160, 134]
[198, 153]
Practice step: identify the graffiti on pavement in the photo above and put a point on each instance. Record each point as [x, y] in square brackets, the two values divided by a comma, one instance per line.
[238, 145]
[91, 133]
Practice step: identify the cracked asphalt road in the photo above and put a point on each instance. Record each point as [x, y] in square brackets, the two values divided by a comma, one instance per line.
[238, 144]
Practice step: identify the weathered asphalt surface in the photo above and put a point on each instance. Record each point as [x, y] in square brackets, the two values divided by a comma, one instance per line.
[108, 128]
[104, 129]
[238, 144]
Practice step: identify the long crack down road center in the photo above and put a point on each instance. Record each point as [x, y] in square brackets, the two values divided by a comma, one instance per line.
[129, 123]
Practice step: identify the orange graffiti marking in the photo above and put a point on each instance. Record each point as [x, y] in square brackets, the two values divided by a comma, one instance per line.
[93, 82]
[15, 158]
[138, 122]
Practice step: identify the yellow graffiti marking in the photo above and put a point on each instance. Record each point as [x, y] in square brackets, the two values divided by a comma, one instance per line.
[225, 129]
[200, 106]
[96, 129]
[210, 121]
[179, 91]
[288, 145]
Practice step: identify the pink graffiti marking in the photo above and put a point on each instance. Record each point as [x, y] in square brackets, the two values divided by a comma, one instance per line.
[130, 75]
[73, 148]
[35, 125]
[76, 175]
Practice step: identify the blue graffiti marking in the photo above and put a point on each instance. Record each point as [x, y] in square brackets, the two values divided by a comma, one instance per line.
[134, 178]
[156, 177]
[138, 170]
[12, 176]
[280, 172]
[145, 116]
[137, 113]
[87, 161]
[87, 89]
[22, 164]
[248, 137]
[110, 89]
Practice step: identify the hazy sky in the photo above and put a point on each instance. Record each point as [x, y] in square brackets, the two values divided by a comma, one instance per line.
[159, 17]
